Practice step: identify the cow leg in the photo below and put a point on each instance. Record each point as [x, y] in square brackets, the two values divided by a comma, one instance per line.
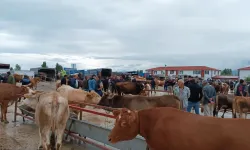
[225, 110]
[4, 111]
[59, 135]
[40, 146]
[46, 138]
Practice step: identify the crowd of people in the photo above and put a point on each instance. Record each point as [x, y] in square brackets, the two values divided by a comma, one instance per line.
[192, 92]
[9, 78]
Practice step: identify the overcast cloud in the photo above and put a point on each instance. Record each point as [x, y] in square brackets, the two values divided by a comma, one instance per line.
[125, 34]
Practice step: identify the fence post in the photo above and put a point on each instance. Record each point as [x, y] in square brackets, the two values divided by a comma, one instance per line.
[15, 110]
[80, 112]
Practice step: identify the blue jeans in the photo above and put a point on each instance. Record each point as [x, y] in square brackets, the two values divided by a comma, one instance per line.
[195, 105]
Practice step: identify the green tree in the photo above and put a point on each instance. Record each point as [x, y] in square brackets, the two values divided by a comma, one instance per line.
[44, 64]
[11, 68]
[227, 72]
[59, 67]
[247, 79]
[18, 67]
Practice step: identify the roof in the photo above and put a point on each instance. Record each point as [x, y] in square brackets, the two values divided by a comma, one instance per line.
[245, 68]
[182, 68]
[225, 77]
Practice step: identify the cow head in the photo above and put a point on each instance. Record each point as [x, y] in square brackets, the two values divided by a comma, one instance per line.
[126, 126]
[106, 99]
[24, 90]
[32, 94]
[93, 97]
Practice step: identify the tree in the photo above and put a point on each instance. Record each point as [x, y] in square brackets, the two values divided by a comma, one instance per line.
[18, 67]
[247, 79]
[44, 65]
[11, 68]
[59, 67]
[227, 72]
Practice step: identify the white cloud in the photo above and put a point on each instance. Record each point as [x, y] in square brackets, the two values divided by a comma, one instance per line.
[125, 35]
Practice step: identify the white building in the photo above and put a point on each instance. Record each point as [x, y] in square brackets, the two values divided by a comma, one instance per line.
[244, 72]
[200, 71]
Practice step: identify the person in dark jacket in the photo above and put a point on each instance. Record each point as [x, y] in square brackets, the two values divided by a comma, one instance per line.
[25, 80]
[105, 84]
[64, 80]
[153, 86]
[195, 96]
[240, 89]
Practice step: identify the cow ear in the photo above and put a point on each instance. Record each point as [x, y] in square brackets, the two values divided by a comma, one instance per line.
[116, 113]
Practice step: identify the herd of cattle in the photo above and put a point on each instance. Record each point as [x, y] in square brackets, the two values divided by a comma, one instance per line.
[157, 118]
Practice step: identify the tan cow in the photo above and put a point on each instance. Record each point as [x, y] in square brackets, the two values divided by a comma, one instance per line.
[75, 96]
[159, 83]
[51, 114]
[168, 128]
[33, 82]
[9, 93]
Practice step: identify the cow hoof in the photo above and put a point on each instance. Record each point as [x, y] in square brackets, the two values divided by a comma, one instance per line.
[40, 147]
[6, 122]
[58, 146]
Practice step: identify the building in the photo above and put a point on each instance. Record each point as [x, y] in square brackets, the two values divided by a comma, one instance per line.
[172, 71]
[244, 72]
[225, 77]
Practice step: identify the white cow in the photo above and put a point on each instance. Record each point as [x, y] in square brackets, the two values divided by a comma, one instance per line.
[51, 115]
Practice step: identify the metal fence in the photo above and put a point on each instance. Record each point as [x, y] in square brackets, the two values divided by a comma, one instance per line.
[89, 133]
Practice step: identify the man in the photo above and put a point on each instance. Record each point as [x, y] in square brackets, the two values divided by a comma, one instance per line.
[92, 83]
[64, 80]
[183, 93]
[99, 86]
[105, 84]
[209, 98]
[195, 96]
[11, 79]
[85, 84]
[25, 80]
[153, 85]
[240, 88]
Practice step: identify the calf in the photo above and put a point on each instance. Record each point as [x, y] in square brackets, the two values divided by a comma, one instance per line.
[51, 115]
[171, 129]
[137, 102]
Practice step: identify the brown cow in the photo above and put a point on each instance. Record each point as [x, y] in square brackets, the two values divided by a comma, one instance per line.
[8, 93]
[241, 105]
[224, 101]
[18, 77]
[159, 83]
[129, 88]
[224, 88]
[171, 129]
[138, 102]
[33, 82]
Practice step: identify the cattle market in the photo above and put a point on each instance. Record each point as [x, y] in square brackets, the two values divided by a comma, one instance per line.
[101, 110]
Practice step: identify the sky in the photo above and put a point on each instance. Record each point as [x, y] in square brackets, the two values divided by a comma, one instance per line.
[125, 34]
